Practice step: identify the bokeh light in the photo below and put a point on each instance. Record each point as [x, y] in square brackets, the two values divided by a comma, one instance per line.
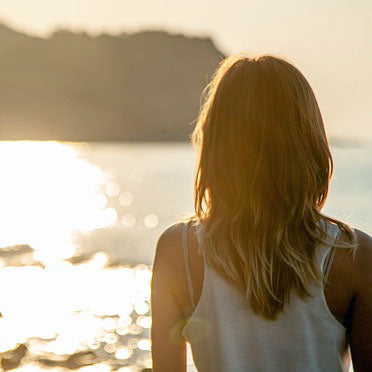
[128, 220]
[151, 221]
[126, 199]
[112, 189]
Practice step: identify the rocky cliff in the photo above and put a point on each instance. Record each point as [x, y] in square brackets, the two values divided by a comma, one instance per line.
[144, 86]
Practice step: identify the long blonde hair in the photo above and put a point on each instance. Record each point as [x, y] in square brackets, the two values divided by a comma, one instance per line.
[261, 180]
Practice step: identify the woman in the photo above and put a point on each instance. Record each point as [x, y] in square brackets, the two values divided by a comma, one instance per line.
[259, 279]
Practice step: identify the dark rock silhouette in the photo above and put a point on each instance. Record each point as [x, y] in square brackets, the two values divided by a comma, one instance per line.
[19, 255]
[144, 86]
[74, 361]
[12, 359]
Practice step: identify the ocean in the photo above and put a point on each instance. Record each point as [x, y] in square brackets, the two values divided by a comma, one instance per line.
[78, 229]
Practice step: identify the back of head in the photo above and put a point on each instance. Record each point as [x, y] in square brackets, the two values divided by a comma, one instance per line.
[264, 167]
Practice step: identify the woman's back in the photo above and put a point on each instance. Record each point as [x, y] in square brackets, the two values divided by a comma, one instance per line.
[262, 178]
[226, 335]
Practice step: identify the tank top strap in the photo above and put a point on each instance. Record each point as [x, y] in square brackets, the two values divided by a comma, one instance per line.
[327, 251]
[328, 263]
[186, 262]
[198, 228]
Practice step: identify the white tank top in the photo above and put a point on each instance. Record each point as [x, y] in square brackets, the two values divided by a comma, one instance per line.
[226, 335]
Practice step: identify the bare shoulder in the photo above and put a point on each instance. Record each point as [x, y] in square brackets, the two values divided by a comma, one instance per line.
[354, 265]
[168, 258]
[169, 243]
[363, 259]
[364, 251]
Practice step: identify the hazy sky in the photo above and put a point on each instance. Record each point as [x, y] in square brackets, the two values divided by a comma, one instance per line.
[329, 40]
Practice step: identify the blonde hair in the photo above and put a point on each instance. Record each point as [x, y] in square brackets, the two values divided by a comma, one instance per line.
[261, 180]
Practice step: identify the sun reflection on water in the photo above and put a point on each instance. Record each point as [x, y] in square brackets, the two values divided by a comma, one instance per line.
[87, 316]
[65, 309]
[48, 192]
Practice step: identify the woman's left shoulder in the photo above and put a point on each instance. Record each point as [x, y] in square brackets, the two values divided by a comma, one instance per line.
[168, 259]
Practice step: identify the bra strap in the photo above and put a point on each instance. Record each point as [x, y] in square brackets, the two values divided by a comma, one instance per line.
[186, 262]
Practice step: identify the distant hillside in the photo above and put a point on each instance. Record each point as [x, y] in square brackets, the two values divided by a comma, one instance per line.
[133, 87]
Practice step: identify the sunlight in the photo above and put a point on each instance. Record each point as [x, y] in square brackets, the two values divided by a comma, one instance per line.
[48, 193]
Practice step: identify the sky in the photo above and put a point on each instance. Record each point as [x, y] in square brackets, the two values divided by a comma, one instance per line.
[328, 40]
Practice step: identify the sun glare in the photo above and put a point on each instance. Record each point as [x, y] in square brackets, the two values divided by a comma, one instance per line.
[47, 193]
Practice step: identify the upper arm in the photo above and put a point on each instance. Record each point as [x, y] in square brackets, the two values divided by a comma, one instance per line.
[361, 320]
[168, 346]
